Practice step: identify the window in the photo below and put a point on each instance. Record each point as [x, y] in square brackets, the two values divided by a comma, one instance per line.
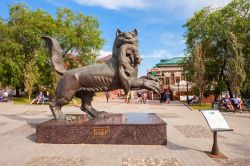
[177, 79]
[167, 80]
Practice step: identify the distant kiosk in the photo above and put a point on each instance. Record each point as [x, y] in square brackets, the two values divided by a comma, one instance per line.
[216, 122]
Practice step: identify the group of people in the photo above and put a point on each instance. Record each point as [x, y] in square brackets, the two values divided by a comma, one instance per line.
[235, 103]
[41, 97]
[165, 96]
[142, 97]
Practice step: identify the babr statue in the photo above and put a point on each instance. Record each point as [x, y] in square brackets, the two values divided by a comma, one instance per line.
[120, 72]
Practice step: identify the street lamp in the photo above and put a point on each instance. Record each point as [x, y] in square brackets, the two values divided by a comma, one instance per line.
[179, 89]
[186, 72]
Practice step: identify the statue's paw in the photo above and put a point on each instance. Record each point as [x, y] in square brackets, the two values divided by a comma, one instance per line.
[72, 118]
[61, 117]
[150, 78]
[152, 85]
[102, 114]
[153, 78]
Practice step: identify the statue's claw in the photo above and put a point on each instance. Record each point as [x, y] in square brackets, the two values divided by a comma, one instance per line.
[102, 114]
[61, 117]
[94, 113]
[152, 85]
[150, 78]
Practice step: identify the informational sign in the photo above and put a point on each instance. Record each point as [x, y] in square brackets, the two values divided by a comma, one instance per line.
[154, 71]
[215, 120]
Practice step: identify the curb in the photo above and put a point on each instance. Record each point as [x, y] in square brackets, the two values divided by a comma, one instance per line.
[188, 106]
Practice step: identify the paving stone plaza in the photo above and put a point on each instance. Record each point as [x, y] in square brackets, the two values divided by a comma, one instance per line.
[187, 133]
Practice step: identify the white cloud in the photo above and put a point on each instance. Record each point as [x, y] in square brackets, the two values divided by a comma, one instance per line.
[183, 5]
[114, 4]
[171, 39]
[103, 53]
[160, 54]
[191, 4]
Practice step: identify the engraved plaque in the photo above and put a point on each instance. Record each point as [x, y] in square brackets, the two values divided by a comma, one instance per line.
[101, 131]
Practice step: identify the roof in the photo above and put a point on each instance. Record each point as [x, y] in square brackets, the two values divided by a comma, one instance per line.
[105, 59]
[172, 61]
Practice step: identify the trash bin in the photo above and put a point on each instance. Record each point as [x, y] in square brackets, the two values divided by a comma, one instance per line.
[215, 105]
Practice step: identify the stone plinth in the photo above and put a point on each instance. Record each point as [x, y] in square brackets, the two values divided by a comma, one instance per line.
[129, 128]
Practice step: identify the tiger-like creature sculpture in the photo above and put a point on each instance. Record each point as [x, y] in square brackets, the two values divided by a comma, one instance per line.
[120, 72]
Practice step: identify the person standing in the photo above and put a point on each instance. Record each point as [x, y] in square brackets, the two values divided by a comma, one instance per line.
[167, 93]
[139, 97]
[107, 96]
[128, 97]
[162, 96]
[144, 97]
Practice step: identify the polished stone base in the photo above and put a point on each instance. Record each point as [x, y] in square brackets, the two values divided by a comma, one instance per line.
[129, 128]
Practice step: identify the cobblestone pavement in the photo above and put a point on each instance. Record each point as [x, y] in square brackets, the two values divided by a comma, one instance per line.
[187, 133]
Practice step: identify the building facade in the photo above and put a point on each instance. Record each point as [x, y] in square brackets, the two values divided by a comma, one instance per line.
[170, 72]
[171, 76]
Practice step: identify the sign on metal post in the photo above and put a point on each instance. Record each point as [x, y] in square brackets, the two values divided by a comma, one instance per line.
[216, 122]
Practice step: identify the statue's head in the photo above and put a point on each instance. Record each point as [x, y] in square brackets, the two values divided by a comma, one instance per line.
[126, 38]
[126, 44]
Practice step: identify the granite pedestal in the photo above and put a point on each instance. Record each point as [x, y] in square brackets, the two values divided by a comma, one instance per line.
[129, 128]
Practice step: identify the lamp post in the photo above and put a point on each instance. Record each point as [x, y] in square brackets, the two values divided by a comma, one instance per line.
[186, 72]
[179, 89]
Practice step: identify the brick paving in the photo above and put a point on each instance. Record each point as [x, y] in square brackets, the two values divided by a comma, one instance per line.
[62, 161]
[187, 133]
[151, 162]
[233, 162]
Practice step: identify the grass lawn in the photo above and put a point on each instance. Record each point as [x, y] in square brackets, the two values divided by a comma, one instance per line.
[20, 100]
[24, 100]
[203, 106]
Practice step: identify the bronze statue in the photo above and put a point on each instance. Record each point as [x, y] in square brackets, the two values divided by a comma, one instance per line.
[120, 72]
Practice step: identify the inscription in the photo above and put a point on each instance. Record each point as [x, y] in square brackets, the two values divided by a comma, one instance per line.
[101, 131]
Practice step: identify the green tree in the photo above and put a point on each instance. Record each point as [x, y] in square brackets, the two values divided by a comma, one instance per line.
[30, 76]
[78, 34]
[199, 69]
[224, 32]
[24, 56]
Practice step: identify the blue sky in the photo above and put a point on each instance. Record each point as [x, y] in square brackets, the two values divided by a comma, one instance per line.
[158, 22]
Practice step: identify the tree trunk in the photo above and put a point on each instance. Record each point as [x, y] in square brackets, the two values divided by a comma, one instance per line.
[221, 75]
[229, 89]
[17, 92]
[201, 96]
[29, 97]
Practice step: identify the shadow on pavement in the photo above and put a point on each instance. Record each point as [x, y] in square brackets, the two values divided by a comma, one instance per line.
[174, 146]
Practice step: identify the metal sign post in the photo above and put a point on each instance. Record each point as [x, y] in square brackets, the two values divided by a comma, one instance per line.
[215, 148]
[216, 122]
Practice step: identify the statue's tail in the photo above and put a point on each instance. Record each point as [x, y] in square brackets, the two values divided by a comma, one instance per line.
[56, 54]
